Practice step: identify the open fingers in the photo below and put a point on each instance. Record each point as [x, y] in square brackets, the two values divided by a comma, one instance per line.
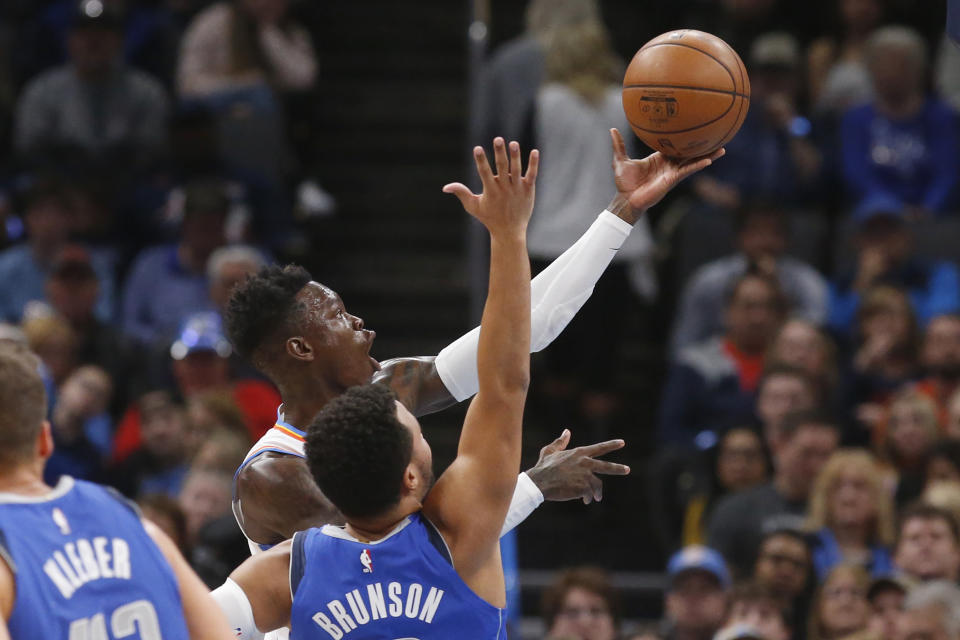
[608, 468]
[500, 155]
[698, 164]
[463, 193]
[596, 488]
[483, 166]
[557, 445]
[516, 165]
[533, 167]
[601, 448]
[619, 148]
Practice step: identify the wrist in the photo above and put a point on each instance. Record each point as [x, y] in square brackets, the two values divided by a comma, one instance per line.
[620, 206]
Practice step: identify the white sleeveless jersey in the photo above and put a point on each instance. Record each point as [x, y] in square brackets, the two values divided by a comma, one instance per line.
[282, 438]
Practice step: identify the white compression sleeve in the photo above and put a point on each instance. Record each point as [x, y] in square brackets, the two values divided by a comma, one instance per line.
[236, 607]
[556, 294]
[526, 499]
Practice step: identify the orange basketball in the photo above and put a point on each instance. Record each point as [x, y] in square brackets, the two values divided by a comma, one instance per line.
[686, 93]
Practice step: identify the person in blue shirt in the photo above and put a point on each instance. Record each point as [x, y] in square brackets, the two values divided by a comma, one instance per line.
[75, 559]
[884, 255]
[902, 145]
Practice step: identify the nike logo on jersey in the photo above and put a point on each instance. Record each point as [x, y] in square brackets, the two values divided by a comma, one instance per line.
[411, 604]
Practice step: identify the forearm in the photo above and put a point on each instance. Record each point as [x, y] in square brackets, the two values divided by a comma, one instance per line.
[556, 294]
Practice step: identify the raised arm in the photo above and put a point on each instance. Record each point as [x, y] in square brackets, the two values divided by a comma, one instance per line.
[470, 501]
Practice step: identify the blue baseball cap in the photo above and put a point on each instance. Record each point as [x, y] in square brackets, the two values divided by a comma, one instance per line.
[201, 332]
[696, 557]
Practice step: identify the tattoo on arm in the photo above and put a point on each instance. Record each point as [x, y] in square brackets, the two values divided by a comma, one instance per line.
[417, 384]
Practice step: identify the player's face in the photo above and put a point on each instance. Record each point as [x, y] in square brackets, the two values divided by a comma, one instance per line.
[341, 344]
[421, 457]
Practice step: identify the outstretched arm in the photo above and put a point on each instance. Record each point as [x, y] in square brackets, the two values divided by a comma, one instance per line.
[256, 598]
[470, 501]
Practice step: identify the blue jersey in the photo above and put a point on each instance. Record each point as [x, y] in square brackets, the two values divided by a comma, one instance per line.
[85, 568]
[401, 586]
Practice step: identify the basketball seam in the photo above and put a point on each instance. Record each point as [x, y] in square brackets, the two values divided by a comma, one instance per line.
[702, 124]
[683, 86]
[740, 71]
[686, 46]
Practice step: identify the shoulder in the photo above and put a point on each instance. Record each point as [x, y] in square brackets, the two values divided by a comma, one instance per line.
[53, 80]
[143, 84]
[706, 358]
[15, 256]
[153, 257]
[214, 18]
[717, 273]
[516, 51]
[270, 470]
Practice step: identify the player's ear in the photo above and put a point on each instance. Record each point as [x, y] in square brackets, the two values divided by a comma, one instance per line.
[45, 441]
[298, 347]
[411, 480]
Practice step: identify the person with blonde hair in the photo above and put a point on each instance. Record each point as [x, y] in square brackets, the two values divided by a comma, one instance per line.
[910, 432]
[840, 607]
[851, 514]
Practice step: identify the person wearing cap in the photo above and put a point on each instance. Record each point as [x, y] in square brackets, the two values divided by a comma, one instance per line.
[884, 254]
[94, 107]
[903, 145]
[168, 282]
[200, 362]
[24, 268]
[886, 595]
[772, 154]
[696, 599]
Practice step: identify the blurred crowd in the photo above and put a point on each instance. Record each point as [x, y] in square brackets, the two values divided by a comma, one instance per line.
[806, 475]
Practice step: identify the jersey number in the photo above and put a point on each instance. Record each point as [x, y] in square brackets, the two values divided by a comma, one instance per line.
[125, 621]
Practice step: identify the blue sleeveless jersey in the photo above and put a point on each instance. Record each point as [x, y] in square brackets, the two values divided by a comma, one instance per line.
[85, 568]
[402, 587]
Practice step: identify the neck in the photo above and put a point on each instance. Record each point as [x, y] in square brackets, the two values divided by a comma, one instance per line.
[25, 480]
[900, 107]
[786, 487]
[303, 399]
[189, 259]
[850, 536]
[375, 528]
[745, 347]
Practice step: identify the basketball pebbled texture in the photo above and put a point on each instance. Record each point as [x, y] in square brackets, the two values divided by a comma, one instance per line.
[686, 93]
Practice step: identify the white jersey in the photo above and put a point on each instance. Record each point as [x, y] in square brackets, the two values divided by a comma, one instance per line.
[282, 438]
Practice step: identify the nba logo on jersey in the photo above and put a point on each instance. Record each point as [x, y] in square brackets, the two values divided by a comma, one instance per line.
[366, 561]
[61, 521]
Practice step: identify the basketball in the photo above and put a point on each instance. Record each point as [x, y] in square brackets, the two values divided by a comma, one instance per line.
[686, 93]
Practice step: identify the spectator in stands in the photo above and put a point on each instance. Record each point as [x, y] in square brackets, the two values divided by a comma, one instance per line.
[574, 111]
[932, 611]
[808, 439]
[940, 360]
[165, 512]
[52, 339]
[943, 494]
[836, 63]
[784, 568]
[840, 607]
[886, 595]
[81, 426]
[226, 267]
[782, 390]
[711, 385]
[24, 268]
[903, 145]
[159, 463]
[581, 604]
[222, 451]
[696, 599]
[754, 606]
[761, 243]
[850, 513]
[211, 412]
[200, 362]
[884, 254]
[772, 154]
[952, 429]
[72, 291]
[884, 356]
[204, 498]
[168, 282]
[95, 108]
[928, 544]
[238, 44]
[512, 77]
[740, 464]
[802, 344]
[943, 462]
[911, 431]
